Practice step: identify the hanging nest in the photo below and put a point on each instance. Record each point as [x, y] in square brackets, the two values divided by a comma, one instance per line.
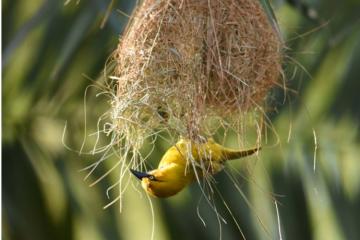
[183, 63]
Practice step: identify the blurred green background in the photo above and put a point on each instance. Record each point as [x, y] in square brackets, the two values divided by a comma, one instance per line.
[51, 52]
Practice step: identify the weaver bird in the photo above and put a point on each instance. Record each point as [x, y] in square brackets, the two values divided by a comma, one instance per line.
[179, 166]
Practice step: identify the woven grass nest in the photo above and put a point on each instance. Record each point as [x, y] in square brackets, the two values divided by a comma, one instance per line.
[189, 66]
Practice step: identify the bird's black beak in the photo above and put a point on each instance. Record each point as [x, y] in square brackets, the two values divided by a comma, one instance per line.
[139, 175]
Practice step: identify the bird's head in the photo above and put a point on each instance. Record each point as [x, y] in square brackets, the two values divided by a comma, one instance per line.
[158, 183]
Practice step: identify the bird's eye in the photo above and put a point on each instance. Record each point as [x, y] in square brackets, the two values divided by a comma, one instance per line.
[151, 177]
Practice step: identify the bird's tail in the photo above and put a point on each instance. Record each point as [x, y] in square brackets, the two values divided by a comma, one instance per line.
[232, 154]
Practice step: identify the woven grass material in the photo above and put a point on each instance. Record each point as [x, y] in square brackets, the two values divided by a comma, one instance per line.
[182, 63]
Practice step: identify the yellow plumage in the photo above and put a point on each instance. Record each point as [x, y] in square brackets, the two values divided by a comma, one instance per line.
[183, 163]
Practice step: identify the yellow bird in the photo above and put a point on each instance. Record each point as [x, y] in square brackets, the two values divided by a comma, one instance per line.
[179, 167]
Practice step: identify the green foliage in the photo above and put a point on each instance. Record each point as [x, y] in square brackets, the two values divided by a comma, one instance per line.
[52, 52]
